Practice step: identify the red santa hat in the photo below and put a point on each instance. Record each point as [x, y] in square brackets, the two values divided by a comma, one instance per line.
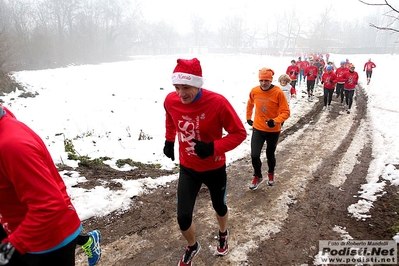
[188, 72]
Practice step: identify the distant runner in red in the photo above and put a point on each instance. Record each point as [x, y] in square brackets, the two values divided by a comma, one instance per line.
[340, 81]
[302, 65]
[347, 63]
[328, 79]
[328, 57]
[292, 72]
[351, 79]
[368, 67]
[311, 73]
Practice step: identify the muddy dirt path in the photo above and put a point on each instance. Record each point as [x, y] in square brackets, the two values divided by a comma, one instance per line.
[322, 159]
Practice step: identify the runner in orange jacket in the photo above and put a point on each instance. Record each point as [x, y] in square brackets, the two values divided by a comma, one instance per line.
[271, 110]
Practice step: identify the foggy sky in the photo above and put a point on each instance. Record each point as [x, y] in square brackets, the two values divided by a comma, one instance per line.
[179, 12]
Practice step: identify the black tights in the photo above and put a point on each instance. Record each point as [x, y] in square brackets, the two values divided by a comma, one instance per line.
[340, 91]
[349, 97]
[190, 182]
[328, 93]
[257, 141]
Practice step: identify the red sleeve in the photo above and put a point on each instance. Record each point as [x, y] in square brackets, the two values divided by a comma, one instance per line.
[334, 77]
[233, 125]
[170, 133]
[41, 208]
[323, 77]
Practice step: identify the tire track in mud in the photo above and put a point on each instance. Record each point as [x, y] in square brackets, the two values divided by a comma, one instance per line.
[278, 225]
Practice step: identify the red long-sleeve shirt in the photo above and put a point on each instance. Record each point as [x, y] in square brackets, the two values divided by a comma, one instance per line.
[204, 119]
[35, 209]
[329, 79]
[368, 66]
[313, 71]
[340, 73]
[292, 71]
[351, 79]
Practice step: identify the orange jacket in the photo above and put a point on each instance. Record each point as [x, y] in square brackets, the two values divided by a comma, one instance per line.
[270, 104]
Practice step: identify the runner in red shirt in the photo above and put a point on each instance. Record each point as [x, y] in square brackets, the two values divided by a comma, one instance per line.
[340, 81]
[328, 79]
[301, 65]
[351, 79]
[199, 118]
[293, 71]
[311, 73]
[368, 67]
[40, 225]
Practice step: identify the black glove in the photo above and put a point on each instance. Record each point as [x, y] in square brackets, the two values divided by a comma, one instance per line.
[292, 73]
[270, 123]
[250, 122]
[322, 82]
[308, 74]
[169, 150]
[203, 149]
[6, 252]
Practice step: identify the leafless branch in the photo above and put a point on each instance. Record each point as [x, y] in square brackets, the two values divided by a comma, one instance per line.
[383, 28]
[394, 18]
[381, 4]
[369, 4]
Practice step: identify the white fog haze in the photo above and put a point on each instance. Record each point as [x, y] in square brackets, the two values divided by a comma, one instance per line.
[90, 77]
[53, 33]
[255, 13]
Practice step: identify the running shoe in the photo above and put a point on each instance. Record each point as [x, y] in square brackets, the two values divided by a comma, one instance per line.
[188, 255]
[255, 182]
[223, 246]
[270, 182]
[92, 247]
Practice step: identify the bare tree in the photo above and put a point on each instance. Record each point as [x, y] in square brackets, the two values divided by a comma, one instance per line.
[198, 30]
[5, 48]
[392, 14]
[320, 31]
[158, 38]
[232, 33]
[290, 27]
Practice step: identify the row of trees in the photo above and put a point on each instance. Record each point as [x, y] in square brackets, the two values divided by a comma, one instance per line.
[51, 33]
[37, 33]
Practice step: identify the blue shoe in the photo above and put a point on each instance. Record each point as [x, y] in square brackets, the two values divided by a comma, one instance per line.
[92, 247]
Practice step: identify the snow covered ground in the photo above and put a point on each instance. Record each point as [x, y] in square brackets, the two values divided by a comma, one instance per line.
[104, 108]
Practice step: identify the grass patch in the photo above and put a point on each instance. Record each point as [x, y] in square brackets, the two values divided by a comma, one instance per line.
[122, 162]
[8, 84]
